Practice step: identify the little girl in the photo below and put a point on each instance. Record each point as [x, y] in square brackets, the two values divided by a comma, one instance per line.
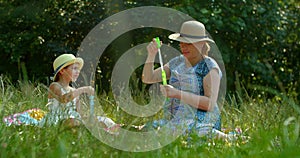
[63, 100]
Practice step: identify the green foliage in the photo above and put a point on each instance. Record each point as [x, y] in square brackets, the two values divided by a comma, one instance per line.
[259, 40]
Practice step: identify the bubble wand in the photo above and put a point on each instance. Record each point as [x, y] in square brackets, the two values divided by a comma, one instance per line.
[92, 103]
[163, 73]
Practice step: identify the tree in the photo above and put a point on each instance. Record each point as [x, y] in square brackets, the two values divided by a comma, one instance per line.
[259, 40]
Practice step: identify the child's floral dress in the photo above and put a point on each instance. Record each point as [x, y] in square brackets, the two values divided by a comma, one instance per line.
[57, 111]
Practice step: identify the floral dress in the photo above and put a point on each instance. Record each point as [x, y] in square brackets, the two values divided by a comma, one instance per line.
[33, 116]
[61, 111]
[190, 79]
[57, 111]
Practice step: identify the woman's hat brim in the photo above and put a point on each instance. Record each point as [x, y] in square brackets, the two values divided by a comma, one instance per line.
[178, 37]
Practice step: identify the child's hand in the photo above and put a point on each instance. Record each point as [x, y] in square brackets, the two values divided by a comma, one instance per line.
[89, 90]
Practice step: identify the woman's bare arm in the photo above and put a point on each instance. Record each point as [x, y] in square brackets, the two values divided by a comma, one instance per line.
[149, 74]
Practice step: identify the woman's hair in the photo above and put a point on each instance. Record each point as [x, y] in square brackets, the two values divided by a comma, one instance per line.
[205, 49]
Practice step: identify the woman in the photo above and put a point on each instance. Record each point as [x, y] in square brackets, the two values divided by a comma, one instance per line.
[193, 66]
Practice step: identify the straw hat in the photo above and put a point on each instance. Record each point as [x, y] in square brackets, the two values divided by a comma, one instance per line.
[191, 32]
[64, 60]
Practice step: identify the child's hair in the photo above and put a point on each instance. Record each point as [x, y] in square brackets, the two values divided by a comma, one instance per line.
[57, 77]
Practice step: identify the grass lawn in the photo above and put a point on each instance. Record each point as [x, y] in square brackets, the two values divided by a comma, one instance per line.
[273, 125]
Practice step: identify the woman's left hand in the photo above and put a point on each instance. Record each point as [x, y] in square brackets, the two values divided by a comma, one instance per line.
[169, 91]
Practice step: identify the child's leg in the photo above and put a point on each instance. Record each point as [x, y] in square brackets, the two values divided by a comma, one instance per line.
[106, 121]
[109, 125]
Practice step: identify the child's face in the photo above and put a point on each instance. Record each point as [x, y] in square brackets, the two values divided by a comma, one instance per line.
[72, 72]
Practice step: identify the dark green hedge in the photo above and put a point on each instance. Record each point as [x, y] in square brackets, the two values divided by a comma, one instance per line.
[259, 40]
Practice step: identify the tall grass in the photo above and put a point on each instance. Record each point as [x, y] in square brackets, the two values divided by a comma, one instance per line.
[272, 124]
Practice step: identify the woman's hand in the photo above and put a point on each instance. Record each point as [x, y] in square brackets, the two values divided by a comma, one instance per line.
[169, 91]
[152, 47]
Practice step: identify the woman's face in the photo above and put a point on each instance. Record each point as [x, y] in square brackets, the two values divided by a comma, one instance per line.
[191, 50]
[72, 72]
